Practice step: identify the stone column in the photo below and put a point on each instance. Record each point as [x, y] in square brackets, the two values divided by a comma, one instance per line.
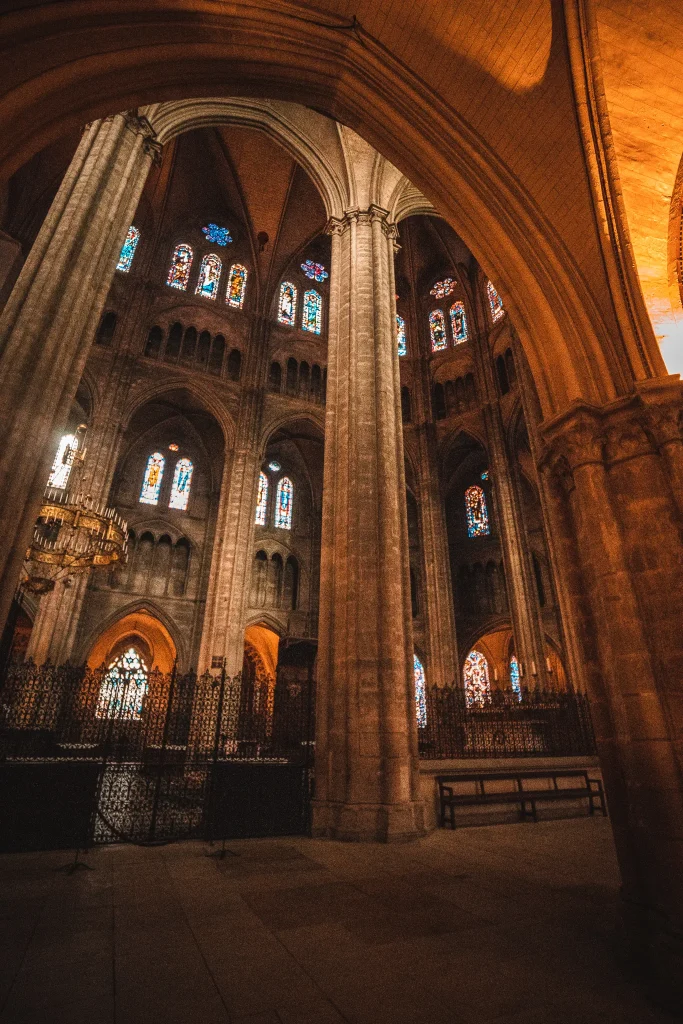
[611, 497]
[366, 737]
[51, 317]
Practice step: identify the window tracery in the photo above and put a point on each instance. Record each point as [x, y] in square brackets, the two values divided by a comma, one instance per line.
[314, 271]
[123, 688]
[443, 288]
[217, 235]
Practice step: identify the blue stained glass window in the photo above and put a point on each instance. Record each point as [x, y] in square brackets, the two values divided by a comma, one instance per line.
[64, 460]
[151, 484]
[128, 250]
[443, 288]
[459, 322]
[315, 271]
[476, 679]
[237, 286]
[179, 271]
[286, 307]
[124, 688]
[262, 500]
[485, 474]
[495, 302]
[209, 276]
[420, 692]
[401, 335]
[476, 512]
[182, 481]
[312, 318]
[217, 235]
[283, 504]
[437, 330]
[514, 677]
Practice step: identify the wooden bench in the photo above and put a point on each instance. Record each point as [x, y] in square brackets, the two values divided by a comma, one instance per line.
[526, 791]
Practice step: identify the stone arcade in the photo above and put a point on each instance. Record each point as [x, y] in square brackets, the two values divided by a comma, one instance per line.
[370, 372]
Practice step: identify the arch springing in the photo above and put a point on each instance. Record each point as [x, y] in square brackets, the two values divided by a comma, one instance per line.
[182, 481]
[286, 307]
[128, 249]
[124, 688]
[64, 460]
[312, 316]
[401, 336]
[495, 302]
[209, 276]
[476, 679]
[420, 692]
[458, 322]
[151, 483]
[181, 264]
[437, 330]
[283, 504]
[476, 512]
[262, 500]
[237, 286]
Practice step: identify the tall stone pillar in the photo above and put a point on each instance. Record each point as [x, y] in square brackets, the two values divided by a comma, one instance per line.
[52, 314]
[366, 736]
[612, 503]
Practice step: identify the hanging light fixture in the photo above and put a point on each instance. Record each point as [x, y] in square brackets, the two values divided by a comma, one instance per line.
[73, 535]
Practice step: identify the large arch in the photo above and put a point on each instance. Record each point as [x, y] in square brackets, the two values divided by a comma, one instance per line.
[580, 344]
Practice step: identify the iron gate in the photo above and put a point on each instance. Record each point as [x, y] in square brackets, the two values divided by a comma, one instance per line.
[127, 755]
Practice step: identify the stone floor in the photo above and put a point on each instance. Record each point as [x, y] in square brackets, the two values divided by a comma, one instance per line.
[510, 924]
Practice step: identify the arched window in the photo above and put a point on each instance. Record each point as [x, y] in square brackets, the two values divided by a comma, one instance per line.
[401, 335]
[151, 484]
[459, 322]
[182, 481]
[437, 330]
[124, 688]
[476, 512]
[514, 677]
[64, 460]
[128, 250]
[286, 307]
[495, 302]
[262, 500]
[105, 332]
[181, 263]
[420, 692]
[237, 286]
[209, 276]
[476, 679]
[283, 504]
[312, 317]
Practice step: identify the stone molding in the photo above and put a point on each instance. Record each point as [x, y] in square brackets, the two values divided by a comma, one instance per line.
[373, 215]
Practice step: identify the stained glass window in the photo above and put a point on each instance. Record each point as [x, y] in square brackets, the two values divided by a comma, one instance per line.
[485, 474]
[514, 677]
[443, 288]
[312, 318]
[476, 512]
[151, 485]
[420, 692]
[237, 286]
[495, 302]
[401, 335]
[262, 500]
[128, 250]
[209, 276]
[217, 235]
[458, 322]
[437, 329]
[64, 460]
[286, 307]
[124, 688]
[182, 481]
[476, 678]
[315, 271]
[181, 263]
[283, 504]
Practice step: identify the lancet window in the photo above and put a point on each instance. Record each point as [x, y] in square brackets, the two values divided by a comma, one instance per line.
[262, 500]
[458, 322]
[182, 481]
[237, 286]
[286, 307]
[151, 484]
[437, 330]
[420, 692]
[128, 250]
[476, 679]
[283, 504]
[401, 335]
[312, 318]
[495, 302]
[514, 677]
[181, 264]
[476, 512]
[209, 276]
[64, 459]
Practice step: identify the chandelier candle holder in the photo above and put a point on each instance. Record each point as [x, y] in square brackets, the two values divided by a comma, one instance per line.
[73, 535]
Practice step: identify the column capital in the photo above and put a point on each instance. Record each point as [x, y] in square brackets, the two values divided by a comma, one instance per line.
[373, 215]
[139, 125]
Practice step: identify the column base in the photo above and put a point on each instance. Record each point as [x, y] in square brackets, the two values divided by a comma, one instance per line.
[379, 823]
[654, 950]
